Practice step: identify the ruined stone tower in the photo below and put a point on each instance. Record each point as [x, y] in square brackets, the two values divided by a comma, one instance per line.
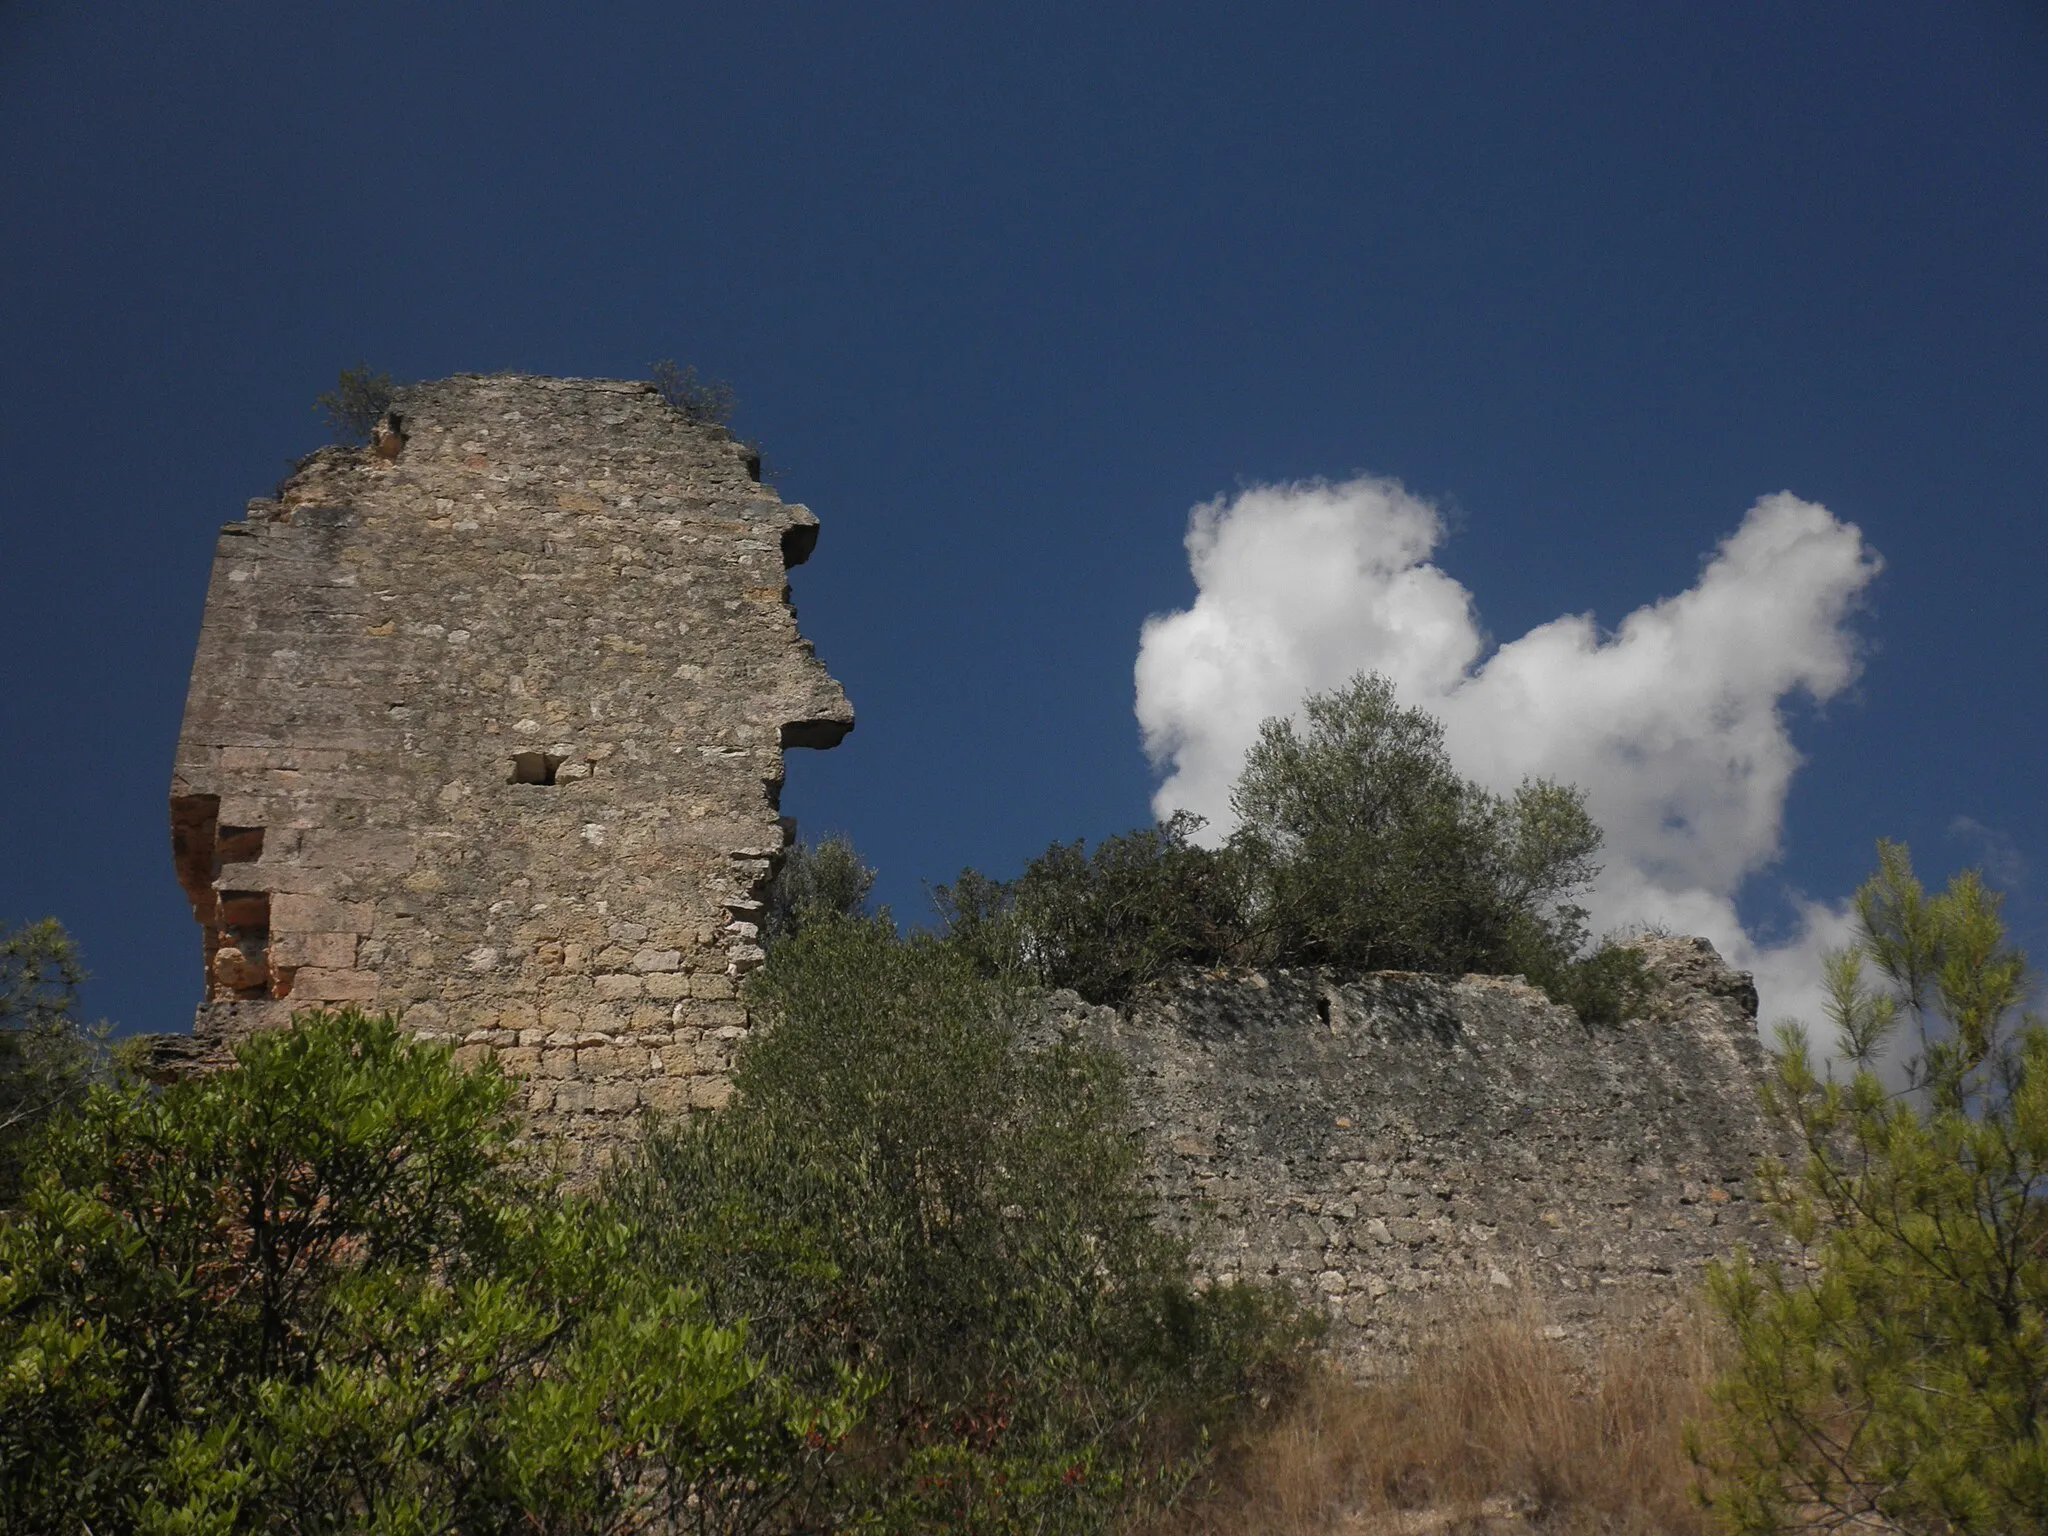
[486, 724]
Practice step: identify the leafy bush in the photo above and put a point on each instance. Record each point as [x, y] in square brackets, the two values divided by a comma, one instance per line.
[1370, 852]
[817, 880]
[1898, 1380]
[48, 1059]
[319, 1292]
[1603, 986]
[1107, 922]
[900, 1187]
[1358, 846]
[356, 404]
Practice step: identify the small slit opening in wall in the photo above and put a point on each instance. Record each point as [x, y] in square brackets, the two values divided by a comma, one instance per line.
[1323, 1009]
[387, 438]
[534, 767]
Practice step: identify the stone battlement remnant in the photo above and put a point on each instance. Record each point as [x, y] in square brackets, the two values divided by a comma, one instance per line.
[1394, 1145]
[486, 724]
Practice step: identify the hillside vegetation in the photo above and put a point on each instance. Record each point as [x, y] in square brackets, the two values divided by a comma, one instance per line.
[907, 1281]
[911, 1280]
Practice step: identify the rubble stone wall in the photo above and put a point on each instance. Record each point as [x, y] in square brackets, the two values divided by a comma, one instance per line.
[1394, 1144]
[486, 724]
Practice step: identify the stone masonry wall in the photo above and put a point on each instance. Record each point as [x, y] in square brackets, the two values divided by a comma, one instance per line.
[486, 724]
[1392, 1144]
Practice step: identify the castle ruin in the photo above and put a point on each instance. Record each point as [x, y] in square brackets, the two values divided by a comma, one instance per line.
[486, 725]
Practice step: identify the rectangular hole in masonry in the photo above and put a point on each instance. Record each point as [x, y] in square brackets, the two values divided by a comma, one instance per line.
[534, 767]
[239, 845]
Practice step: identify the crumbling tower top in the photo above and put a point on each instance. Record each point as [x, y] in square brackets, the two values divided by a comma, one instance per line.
[487, 723]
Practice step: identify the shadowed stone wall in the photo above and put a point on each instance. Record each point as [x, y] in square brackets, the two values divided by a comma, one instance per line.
[1393, 1143]
[486, 724]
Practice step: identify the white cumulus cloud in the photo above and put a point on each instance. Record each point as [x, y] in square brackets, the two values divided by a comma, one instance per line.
[1673, 723]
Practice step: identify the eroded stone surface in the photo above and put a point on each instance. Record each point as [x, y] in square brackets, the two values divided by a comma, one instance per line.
[1393, 1143]
[486, 724]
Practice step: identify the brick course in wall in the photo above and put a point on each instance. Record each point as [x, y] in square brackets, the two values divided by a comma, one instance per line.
[486, 725]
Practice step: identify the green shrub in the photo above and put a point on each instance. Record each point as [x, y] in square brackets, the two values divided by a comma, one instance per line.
[48, 1059]
[1604, 986]
[900, 1187]
[356, 404]
[1897, 1378]
[817, 880]
[1358, 846]
[1368, 850]
[319, 1292]
[1107, 922]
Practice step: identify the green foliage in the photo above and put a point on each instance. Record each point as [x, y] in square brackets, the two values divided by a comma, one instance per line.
[899, 1187]
[1949, 970]
[1604, 986]
[319, 1292]
[817, 880]
[1897, 1379]
[356, 404]
[1359, 846]
[1370, 852]
[1104, 923]
[48, 1059]
[706, 401]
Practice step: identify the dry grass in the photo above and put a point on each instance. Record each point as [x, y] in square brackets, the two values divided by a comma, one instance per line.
[1497, 1429]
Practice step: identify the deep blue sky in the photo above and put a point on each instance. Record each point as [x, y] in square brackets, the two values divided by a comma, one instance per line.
[1005, 291]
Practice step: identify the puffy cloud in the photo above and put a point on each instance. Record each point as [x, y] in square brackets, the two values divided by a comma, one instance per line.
[1673, 723]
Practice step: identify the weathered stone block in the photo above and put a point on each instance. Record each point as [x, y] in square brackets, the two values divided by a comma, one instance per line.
[520, 1060]
[709, 1092]
[293, 913]
[665, 1095]
[330, 951]
[614, 1098]
[573, 1097]
[314, 985]
[357, 849]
